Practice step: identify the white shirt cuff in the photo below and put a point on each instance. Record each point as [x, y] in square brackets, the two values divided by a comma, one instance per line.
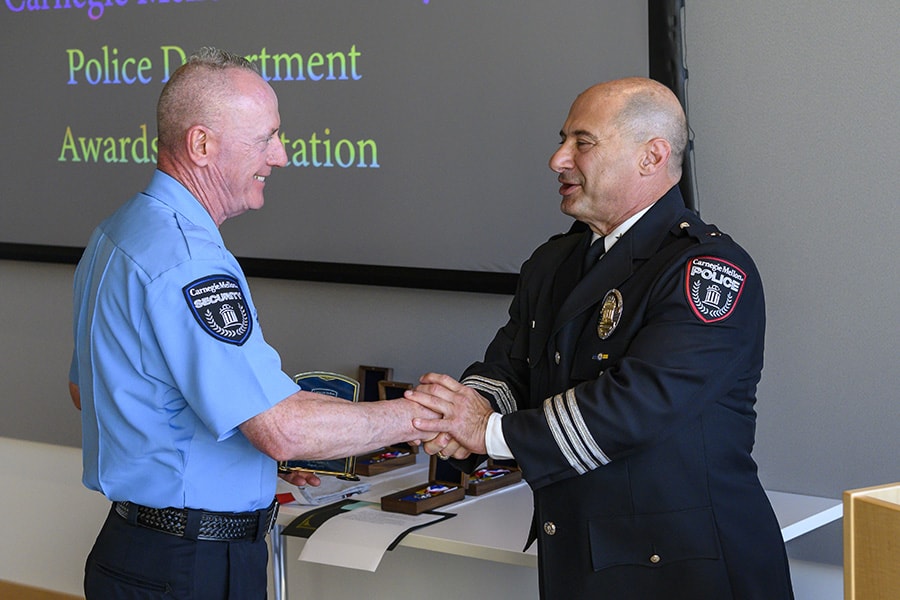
[494, 441]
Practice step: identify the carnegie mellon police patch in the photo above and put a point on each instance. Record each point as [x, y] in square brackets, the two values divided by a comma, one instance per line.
[218, 304]
[713, 287]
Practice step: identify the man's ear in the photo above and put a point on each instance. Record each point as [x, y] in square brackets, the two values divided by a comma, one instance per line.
[198, 141]
[655, 156]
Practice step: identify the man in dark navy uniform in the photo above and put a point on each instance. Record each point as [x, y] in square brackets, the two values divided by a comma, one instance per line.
[624, 386]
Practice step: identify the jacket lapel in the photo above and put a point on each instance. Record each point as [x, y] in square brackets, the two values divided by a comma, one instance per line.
[637, 245]
[613, 268]
[568, 273]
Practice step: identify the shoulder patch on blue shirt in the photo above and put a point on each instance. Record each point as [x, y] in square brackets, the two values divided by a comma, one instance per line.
[218, 304]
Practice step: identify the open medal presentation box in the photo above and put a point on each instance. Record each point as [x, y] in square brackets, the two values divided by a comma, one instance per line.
[338, 386]
[369, 377]
[494, 475]
[384, 460]
[446, 484]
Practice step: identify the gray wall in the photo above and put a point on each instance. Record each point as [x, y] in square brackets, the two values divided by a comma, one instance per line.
[794, 108]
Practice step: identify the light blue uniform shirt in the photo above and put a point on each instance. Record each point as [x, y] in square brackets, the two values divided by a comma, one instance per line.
[170, 359]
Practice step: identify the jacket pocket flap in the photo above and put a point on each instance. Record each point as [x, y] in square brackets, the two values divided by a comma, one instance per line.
[653, 540]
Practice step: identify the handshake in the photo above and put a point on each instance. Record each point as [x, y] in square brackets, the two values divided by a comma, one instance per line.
[464, 413]
[448, 418]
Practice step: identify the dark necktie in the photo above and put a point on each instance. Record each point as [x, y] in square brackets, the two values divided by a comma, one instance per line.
[593, 254]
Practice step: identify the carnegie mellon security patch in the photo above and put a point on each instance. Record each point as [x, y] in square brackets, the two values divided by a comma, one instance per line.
[218, 304]
[713, 287]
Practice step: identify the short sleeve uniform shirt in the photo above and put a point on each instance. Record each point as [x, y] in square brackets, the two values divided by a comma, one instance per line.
[170, 360]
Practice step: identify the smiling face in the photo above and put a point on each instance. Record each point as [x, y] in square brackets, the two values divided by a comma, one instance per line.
[596, 163]
[244, 145]
[614, 150]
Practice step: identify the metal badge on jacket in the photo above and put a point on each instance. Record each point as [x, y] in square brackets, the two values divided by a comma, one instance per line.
[610, 313]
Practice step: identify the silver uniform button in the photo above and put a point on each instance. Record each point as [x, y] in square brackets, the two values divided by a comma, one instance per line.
[550, 528]
[557, 357]
[654, 558]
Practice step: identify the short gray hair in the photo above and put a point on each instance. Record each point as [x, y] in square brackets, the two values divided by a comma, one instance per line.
[194, 93]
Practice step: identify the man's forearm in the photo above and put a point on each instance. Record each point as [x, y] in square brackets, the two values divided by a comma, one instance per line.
[308, 426]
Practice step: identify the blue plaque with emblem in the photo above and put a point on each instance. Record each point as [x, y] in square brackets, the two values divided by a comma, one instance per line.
[338, 386]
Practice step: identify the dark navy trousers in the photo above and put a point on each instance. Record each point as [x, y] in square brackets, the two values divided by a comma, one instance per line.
[130, 562]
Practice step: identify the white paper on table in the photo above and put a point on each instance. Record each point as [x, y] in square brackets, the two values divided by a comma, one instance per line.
[329, 491]
[358, 538]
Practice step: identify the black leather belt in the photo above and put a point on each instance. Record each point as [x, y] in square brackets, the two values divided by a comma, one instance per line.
[200, 524]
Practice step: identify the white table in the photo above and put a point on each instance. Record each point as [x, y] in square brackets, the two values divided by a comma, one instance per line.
[494, 527]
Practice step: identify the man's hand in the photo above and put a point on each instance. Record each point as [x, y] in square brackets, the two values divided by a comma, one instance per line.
[445, 446]
[301, 478]
[75, 394]
[465, 416]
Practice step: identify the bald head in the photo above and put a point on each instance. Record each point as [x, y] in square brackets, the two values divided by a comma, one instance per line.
[622, 147]
[644, 109]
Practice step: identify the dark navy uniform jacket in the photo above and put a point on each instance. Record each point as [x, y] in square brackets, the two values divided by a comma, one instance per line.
[628, 400]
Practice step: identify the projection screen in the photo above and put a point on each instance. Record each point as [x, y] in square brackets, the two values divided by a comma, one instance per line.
[417, 131]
